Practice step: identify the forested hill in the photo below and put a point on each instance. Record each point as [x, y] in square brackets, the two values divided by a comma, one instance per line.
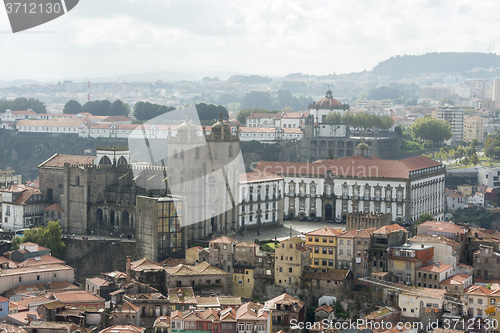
[443, 62]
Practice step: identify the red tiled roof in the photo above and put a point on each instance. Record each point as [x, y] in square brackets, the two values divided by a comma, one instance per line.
[58, 160]
[353, 166]
[386, 229]
[324, 231]
[258, 176]
[223, 240]
[456, 279]
[435, 269]
[54, 208]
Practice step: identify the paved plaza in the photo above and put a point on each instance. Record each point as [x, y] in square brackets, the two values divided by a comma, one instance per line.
[291, 228]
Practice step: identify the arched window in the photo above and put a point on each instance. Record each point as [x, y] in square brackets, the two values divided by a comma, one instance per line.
[78, 180]
[105, 161]
[175, 153]
[230, 151]
[122, 161]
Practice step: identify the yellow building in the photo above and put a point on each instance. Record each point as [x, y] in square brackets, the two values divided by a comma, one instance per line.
[493, 309]
[243, 281]
[474, 129]
[292, 256]
[323, 244]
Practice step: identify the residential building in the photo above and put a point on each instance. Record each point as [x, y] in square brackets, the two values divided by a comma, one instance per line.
[126, 313]
[489, 176]
[456, 285]
[100, 287]
[430, 276]
[197, 254]
[261, 120]
[446, 229]
[285, 308]
[474, 129]
[204, 278]
[455, 200]
[331, 189]
[446, 250]
[22, 207]
[253, 318]
[8, 178]
[221, 253]
[417, 302]
[477, 200]
[162, 325]
[4, 307]
[328, 280]
[13, 277]
[353, 251]
[381, 240]
[78, 298]
[291, 257]
[324, 311]
[486, 263]
[323, 244]
[404, 260]
[386, 314]
[455, 117]
[477, 300]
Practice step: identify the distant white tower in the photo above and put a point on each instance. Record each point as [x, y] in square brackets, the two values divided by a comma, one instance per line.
[496, 91]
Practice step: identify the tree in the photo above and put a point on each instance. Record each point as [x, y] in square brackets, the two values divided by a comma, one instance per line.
[50, 237]
[424, 217]
[145, 110]
[22, 104]
[474, 159]
[431, 129]
[72, 107]
[118, 108]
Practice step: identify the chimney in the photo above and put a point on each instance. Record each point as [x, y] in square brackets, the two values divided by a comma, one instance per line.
[129, 269]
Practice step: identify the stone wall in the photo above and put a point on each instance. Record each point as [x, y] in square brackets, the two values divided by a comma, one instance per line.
[92, 257]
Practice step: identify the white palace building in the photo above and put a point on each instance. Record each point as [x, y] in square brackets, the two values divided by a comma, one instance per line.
[330, 189]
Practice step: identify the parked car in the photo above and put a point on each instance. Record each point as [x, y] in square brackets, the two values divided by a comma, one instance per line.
[302, 218]
[331, 221]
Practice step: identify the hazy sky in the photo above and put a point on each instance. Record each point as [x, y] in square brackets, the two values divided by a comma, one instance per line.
[109, 37]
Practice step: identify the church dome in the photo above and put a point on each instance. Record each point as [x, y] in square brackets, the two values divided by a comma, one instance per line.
[187, 128]
[328, 101]
[221, 126]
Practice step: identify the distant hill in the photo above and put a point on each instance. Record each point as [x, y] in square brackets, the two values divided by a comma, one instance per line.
[442, 62]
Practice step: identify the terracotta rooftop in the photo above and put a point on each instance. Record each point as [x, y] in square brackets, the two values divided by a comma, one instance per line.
[434, 239]
[456, 279]
[353, 166]
[257, 176]
[387, 229]
[58, 160]
[145, 264]
[54, 208]
[123, 329]
[477, 290]
[434, 268]
[224, 240]
[324, 231]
